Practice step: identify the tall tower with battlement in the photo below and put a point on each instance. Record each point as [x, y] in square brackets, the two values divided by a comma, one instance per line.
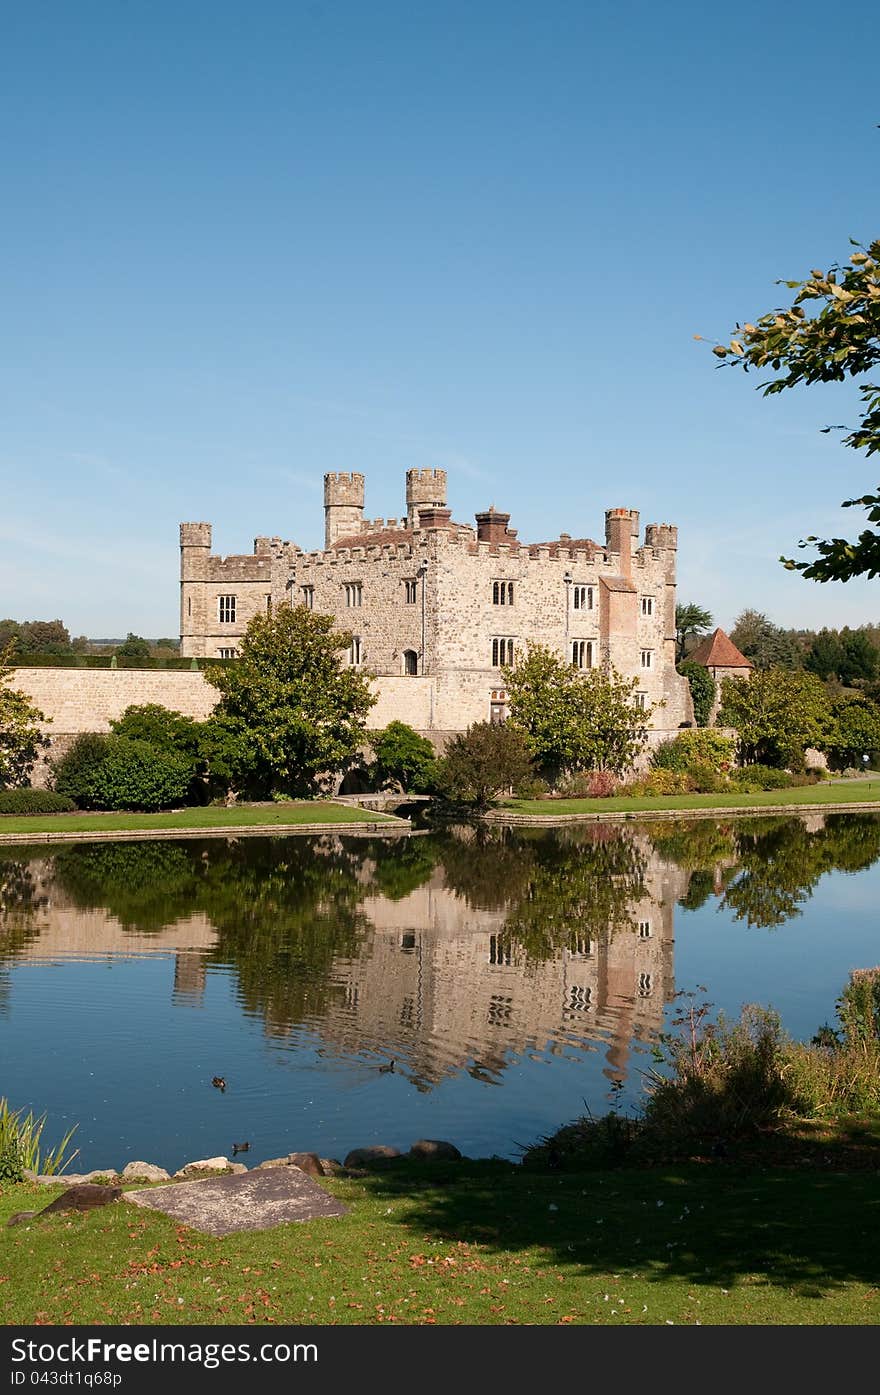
[195, 549]
[424, 489]
[343, 505]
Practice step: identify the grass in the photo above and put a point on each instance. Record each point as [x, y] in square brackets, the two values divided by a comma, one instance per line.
[845, 792]
[239, 816]
[476, 1243]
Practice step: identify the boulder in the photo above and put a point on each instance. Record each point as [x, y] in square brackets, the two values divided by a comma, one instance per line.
[272, 1162]
[365, 1157]
[236, 1168]
[144, 1172]
[20, 1217]
[307, 1162]
[204, 1166]
[85, 1196]
[331, 1166]
[434, 1150]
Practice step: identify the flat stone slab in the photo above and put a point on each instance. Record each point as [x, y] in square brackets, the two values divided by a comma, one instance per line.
[254, 1200]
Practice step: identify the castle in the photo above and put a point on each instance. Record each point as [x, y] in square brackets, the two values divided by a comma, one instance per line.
[435, 608]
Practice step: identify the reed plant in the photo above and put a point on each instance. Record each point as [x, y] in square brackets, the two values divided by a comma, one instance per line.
[21, 1147]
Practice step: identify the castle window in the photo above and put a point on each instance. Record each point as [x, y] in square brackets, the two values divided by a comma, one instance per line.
[353, 593]
[189, 605]
[500, 1009]
[642, 701]
[644, 929]
[355, 653]
[226, 610]
[227, 653]
[646, 985]
[409, 592]
[502, 593]
[583, 597]
[410, 661]
[647, 658]
[268, 605]
[647, 605]
[308, 597]
[582, 653]
[502, 652]
[579, 999]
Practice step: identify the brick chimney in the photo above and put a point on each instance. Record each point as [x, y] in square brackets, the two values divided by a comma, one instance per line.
[492, 527]
[621, 526]
[435, 519]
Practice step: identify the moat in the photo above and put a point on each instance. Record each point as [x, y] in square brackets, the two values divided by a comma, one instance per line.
[477, 985]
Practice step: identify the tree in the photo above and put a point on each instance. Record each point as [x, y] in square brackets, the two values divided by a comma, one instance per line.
[133, 647]
[575, 719]
[859, 657]
[854, 733]
[702, 686]
[294, 711]
[405, 758]
[763, 642]
[776, 715]
[824, 656]
[690, 619]
[838, 339]
[21, 739]
[486, 760]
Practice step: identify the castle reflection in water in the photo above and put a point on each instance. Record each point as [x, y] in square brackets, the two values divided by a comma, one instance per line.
[460, 950]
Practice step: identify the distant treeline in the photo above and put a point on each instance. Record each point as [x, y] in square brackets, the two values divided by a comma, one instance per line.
[849, 656]
[42, 639]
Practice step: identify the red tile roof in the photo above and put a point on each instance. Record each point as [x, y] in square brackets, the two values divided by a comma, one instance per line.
[719, 651]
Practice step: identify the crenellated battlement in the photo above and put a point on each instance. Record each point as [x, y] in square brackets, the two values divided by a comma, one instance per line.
[195, 535]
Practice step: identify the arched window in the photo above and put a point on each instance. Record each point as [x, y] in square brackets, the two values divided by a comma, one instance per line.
[410, 662]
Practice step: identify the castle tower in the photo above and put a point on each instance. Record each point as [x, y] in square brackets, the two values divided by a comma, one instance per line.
[425, 489]
[195, 549]
[343, 506]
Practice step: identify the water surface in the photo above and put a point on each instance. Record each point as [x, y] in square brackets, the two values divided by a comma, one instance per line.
[511, 976]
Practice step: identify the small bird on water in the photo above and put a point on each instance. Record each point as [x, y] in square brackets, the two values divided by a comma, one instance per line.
[240, 1148]
[219, 1082]
[386, 1070]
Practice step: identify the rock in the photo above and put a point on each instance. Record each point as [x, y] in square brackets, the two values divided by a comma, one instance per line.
[20, 1217]
[85, 1196]
[72, 1179]
[236, 1168]
[434, 1150]
[307, 1162]
[363, 1157]
[144, 1172]
[206, 1165]
[331, 1166]
[272, 1162]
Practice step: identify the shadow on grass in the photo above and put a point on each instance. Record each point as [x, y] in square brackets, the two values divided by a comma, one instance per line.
[810, 1230]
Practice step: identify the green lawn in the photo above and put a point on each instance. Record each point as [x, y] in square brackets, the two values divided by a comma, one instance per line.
[844, 792]
[210, 817]
[476, 1242]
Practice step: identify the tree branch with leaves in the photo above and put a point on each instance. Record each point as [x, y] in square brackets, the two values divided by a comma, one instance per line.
[829, 333]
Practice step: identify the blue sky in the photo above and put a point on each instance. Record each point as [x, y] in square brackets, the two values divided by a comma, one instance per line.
[243, 244]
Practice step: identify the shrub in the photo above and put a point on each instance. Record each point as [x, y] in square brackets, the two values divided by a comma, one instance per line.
[661, 782]
[858, 1007]
[112, 772]
[405, 758]
[30, 801]
[695, 747]
[765, 777]
[702, 778]
[725, 1079]
[589, 784]
[485, 761]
